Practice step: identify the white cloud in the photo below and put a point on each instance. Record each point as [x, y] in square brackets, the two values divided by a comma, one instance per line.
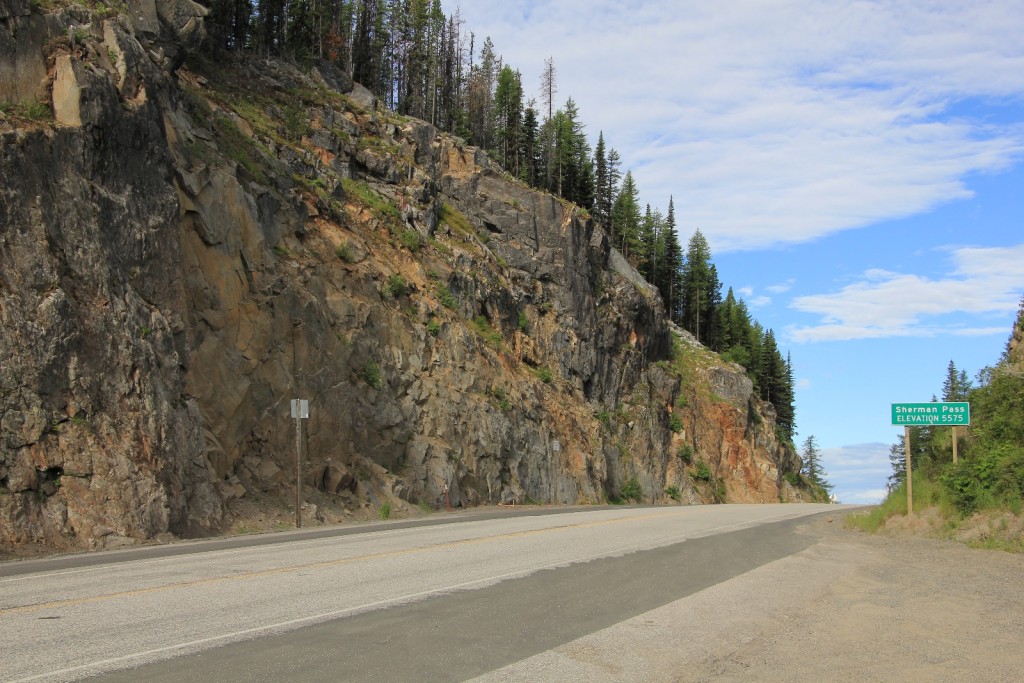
[858, 459]
[759, 301]
[746, 291]
[781, 288]
[858, 472]
[779, 122]
[886, 304]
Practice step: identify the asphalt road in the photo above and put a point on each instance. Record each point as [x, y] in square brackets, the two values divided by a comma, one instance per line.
[436, 601]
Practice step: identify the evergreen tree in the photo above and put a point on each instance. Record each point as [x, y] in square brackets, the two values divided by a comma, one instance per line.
[669, 278]
[611, 188]
[812, 467]
[508, 104]
[529, 146]
[784, 406]
[626, 219]
[701, 289]
[956, 385]
[602, 196]
[651, 228]
[228, 25]
[774, 382]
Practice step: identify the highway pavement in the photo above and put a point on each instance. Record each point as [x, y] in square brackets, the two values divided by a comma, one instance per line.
[451, 598]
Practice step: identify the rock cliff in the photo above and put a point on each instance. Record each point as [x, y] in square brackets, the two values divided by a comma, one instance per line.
[187, 246]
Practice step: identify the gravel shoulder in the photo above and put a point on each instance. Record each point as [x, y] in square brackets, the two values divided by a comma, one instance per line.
[851, 607]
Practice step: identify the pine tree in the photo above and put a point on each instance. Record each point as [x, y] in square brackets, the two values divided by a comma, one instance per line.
[898, 464]
[651, 229]
[956, 386]
[701, 289]
[529, 146]
[669, 279]
[602, 202]
[812, 461]
[626, 218]
[508, 105]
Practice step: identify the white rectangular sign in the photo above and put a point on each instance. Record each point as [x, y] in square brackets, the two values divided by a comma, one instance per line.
[300, 408]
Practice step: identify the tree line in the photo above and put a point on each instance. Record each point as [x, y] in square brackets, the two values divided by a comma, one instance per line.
[424, 64]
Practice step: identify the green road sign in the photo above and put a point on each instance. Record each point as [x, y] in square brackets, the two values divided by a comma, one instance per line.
[924, 414]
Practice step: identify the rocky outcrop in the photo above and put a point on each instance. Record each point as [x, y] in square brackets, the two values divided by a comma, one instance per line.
[22, 67]
[181, 258]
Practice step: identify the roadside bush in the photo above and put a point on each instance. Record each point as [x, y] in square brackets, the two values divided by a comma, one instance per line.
[631, 490]
[993, 478]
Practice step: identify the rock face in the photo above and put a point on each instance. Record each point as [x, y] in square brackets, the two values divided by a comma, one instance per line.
[22, 68]
[180, 259]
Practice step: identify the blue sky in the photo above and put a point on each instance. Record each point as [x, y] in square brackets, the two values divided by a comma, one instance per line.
[858, 168]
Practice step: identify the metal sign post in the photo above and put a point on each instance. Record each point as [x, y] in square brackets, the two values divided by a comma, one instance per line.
[300, 410]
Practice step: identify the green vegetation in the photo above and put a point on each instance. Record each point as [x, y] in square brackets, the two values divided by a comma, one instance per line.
[396, 287]
[988, 479]
[29, 111]
[702, 472]
[365, 195]
[524, 323]
[811, 476]
[434, 327]
[483, 327]
[411, 240]
[455, 219]
[631, 490]
[675, 423]
[385, 510]
[503, 402]
[685, 453]
[240, 148]
[604, 417]
[345, 253]
[371, 374]
[544, 375]
[673, 492]
[444, 295]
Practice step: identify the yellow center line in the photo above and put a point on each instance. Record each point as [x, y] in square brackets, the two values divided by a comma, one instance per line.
[73, 602]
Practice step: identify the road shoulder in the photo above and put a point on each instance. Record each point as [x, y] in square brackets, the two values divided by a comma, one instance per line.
[849, 607]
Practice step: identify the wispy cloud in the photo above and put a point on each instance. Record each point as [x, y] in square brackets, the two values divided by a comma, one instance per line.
[781, 288]
[780, 122]
[886, 304]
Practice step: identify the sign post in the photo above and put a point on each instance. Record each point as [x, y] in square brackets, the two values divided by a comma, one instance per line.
[300, 410]
[909, 468]
[932, 414]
